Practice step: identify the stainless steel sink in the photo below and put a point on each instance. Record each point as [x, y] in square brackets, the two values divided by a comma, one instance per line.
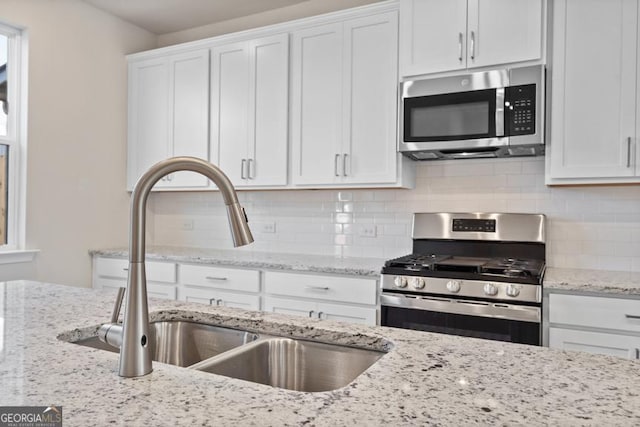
[293, 364]
[184, 343]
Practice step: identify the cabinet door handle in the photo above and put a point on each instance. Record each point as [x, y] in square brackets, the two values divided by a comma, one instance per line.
[242, 163]
[215, 278]
[320, 314]
[629, 152]
[211, 300]
[249, 169]
[220, 302]
[460, 47]
[335, 165]
[344, 164]
[311, 313]
[125, 269]
[473, 45]
[632, 316]
[318, 288]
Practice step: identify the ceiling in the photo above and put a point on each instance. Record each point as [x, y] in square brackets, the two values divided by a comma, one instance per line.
[168, 16]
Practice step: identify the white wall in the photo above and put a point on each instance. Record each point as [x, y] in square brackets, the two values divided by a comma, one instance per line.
[76, 198]
[289, 13]
[588, 227]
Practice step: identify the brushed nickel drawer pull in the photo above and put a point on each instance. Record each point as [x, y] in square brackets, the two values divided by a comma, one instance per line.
[215, 278]
[318, 288]
[311, 313]
[460, 47]
[320, 314]
[629, 152]
[632, 316]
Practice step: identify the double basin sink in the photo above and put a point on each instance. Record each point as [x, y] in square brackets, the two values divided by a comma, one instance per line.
[287, 363]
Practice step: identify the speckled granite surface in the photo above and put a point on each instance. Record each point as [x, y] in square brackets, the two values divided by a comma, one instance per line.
[368, 267]
[425, 379]
[592, 281]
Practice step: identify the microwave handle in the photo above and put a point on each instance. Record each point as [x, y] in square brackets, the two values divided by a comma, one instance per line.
[500, 107]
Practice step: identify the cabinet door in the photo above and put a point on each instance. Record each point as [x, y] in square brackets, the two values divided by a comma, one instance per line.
[595, 342]
[290, 306]
[347, 313]
[230, 100]
[149, 113]
[189, 99]
[370, 88]
[593, 100]
[268, 107]
[433, 36]
[219, 298]
[317, 104]
[503, 31]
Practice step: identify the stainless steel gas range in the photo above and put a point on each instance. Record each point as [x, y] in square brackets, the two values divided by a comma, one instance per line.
[471, 274]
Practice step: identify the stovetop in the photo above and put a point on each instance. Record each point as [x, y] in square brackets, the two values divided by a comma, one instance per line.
[500, 269]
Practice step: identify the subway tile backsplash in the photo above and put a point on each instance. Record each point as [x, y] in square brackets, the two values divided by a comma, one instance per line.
[588, 227]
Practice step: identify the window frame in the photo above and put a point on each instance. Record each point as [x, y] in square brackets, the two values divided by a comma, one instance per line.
[16, 137]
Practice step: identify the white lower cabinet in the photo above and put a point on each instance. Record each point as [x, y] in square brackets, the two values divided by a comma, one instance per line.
[217, 297]
[320, 310]
[347, 299]
[111, 273]
[227, 287]
[595, 342]
[594, 324]
[323, 297]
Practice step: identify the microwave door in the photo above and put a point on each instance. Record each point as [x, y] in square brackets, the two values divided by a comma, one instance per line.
[454, 116]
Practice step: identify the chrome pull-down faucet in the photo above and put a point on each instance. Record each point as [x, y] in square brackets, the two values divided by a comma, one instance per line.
[133, 335]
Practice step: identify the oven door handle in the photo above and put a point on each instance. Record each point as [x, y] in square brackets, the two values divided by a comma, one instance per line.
[522, 313]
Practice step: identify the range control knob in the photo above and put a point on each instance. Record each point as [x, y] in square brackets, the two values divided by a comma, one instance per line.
[453, 286]
[490, 289]
[417, 282]
[513, 290]
[400, 282]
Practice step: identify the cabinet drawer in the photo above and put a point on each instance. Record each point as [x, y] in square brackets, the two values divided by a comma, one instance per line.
[111, 267]
[596, 312]
[220, 298]
[220, 278]
[156, 290]
[624, 346]
[118, 268]
[343, 289]
[105, 283]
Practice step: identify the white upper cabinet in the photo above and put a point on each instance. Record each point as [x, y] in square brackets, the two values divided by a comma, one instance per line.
[447, 35]
[317, 104]
[433, 36]
[324, 115]
[168, 114]
[344, 87]
[594, 96]
[249, 101]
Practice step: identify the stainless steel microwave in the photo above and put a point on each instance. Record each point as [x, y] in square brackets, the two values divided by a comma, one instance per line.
[497, 113]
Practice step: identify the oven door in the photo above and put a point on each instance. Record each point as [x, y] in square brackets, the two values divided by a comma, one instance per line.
[488, 320]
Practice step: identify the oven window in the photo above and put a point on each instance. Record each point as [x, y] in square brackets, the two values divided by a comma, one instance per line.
[455, 116]
[464, 325]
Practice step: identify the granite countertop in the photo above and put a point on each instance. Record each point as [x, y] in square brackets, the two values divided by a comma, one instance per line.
[573, 280]
[367, 267]
[424, 378]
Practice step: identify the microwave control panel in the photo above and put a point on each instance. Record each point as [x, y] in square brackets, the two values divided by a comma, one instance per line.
[520, 110]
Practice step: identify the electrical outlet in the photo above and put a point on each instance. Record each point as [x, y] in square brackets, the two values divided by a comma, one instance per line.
[368, 231]
[268, 227]
[187, 224]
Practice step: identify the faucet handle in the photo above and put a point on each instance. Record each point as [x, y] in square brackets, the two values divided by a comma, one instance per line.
[118, 305]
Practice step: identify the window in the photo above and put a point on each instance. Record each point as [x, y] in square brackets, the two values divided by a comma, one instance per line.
[12, 136]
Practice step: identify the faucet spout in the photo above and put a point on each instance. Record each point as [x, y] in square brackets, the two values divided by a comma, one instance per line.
[133, 336]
